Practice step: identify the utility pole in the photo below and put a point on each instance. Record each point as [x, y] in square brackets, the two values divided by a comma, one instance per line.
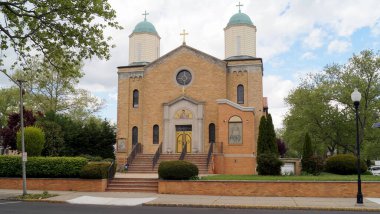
[19, 83]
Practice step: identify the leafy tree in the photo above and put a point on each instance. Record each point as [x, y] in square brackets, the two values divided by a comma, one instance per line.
[66, 30]
[54, 90]
[13, 125]
[281, 147]
[321, 105]
[89, 137]
[54, 141]
[34, 140]
[9, 100]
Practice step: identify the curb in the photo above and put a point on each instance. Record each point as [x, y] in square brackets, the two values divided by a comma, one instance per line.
[361, 209]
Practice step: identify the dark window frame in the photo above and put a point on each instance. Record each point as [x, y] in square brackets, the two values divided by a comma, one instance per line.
[156, 134]
[211, 133]
[135, 135]
[135, 95]
[240, 94]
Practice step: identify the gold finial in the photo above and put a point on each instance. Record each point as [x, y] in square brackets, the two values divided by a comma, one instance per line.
[145, 14]
[184, 36]
[183, 90]
[239, 5]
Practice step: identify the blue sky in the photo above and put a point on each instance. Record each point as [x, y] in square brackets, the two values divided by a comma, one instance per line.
[293, 38]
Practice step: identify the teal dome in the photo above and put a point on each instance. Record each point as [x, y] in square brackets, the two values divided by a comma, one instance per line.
[239, 18]
[145, 27]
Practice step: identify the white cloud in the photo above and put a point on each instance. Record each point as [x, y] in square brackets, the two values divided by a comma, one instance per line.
[315, 39]
[276, 89]
[113, 96]
[308, 56]
[375, 29]
[338, 46]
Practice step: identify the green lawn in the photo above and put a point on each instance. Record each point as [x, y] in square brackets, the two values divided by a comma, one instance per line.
[322, 177]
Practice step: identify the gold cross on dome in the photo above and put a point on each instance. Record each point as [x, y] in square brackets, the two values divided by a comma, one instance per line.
[145, 14]
[239, 5]
[184, 34]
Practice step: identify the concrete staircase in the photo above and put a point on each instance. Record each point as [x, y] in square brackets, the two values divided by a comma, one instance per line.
[133, 185]
[143, 162]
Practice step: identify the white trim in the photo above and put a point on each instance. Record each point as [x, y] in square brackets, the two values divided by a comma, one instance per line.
[235, 105]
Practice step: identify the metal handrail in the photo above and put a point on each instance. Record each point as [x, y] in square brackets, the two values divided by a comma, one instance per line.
[184, 151]
[210, 151]
[156, 156]
[136, 149]
[111, 171]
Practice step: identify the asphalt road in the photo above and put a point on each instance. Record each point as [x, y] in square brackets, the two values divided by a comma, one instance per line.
[18, 207]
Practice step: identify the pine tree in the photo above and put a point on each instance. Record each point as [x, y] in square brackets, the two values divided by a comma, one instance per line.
[307, 148]
[262, 136]
[271, 136]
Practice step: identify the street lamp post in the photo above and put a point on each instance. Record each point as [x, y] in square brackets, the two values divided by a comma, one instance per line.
[356, 96]
[19, 83]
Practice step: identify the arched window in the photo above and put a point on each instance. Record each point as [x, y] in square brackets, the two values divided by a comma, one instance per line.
[135, 135]
[240, 94]
[211, 133]
[156, 134]
[135, 98]
[235, 130]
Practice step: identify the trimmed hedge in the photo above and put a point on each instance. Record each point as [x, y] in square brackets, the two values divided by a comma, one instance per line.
[269, 164]
[177, 170]
[344, 164]
[95, 170]
[42, 167]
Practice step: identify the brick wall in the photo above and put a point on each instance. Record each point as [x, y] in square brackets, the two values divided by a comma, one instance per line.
[57, 184]
[269, 189]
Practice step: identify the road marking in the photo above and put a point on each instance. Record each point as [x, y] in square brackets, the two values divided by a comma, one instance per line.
[376, 200]
[11, 202]
[109, 201]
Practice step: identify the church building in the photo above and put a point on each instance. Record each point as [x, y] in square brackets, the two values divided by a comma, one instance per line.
[189, 100]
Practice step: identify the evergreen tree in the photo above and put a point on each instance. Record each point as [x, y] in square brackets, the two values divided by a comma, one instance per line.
[262, 136]
[271, 136]
[307, 148]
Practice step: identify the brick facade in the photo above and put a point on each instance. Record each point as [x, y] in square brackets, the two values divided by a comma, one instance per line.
[160, 96]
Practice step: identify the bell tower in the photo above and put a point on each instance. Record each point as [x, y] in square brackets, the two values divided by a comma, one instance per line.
[240, 36]
[144, 43]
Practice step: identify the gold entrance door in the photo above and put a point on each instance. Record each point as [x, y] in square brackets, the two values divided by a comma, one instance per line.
[183, 134]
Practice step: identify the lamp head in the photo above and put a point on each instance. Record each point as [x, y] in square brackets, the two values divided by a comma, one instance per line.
[356, 96]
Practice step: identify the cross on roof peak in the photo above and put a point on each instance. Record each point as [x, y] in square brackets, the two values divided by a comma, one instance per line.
[184, 34]
[239, 5]
[145, 14]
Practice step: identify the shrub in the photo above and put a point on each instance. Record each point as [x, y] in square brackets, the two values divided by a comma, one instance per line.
[177, 170]
[92, 158]
[95, 170]
[344, 164]
[42, 167]
[268, 164]
[34, 140]
[312, 165]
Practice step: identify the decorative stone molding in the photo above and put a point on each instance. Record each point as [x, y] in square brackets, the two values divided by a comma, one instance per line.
[135, 74]
[235, 105]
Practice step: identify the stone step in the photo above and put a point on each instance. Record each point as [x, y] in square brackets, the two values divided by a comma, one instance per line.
[133, 185]
[118, 189]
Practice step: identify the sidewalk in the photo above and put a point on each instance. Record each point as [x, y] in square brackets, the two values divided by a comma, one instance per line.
[154, 199]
